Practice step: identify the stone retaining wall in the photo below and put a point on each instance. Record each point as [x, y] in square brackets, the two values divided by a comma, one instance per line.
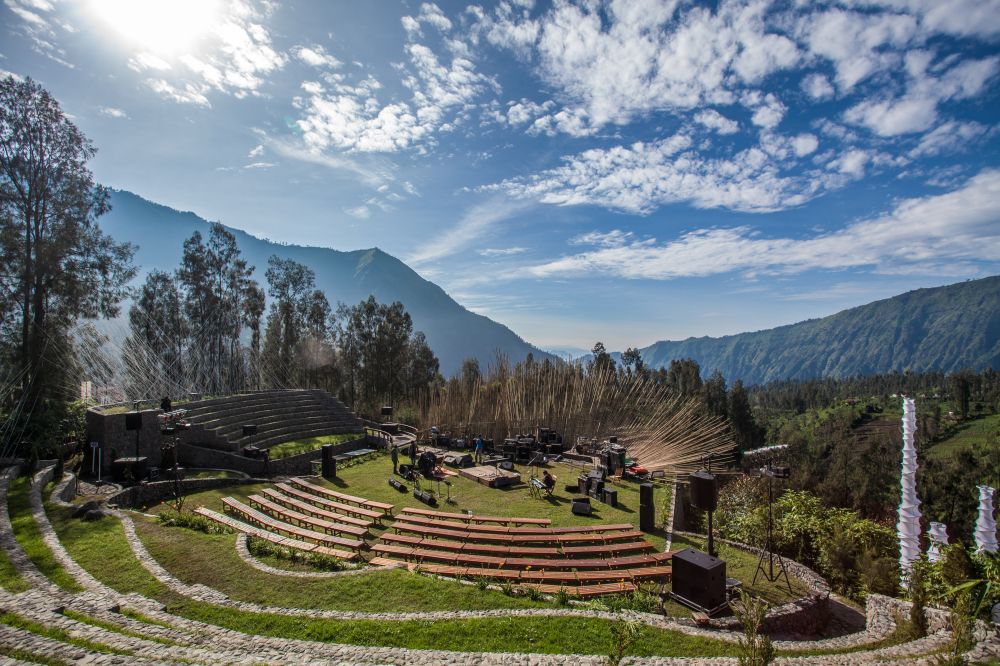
[148, 494]
[108, 430]
[199, 456]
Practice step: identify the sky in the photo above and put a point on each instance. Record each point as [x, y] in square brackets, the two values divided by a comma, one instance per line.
[625, 171]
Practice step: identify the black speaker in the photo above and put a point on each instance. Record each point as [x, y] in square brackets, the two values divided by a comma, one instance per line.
[699, 578]
[387, 410]
[704, 492]
[646, 494]
[397, 485]
[329, 465]
[133, 421]
[611, 497]
[581, 482]
[647, 517]
[249, 430]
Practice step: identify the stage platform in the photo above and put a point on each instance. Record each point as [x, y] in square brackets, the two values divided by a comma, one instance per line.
[491, 476]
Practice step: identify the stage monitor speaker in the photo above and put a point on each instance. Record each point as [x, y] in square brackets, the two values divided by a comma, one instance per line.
[699, 578]
[133, 421]
[397, 485]
[249, 430]
[581, 506]
[611, 497]
[581, 482]
[704, 492]
[386, 410]
[647, 517]
[646, 494]
[329, 465]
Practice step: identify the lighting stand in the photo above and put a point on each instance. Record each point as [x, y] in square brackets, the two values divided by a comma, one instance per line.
[769, 549]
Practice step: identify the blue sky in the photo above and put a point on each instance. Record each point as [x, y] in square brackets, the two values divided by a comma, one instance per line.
[623, 171]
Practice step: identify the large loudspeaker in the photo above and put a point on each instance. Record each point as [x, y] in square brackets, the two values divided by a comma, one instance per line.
[329, 465]
[646, 494]
[133, 421]
[647, 517]
[249, 430]
[386, 410]
[699, 578]
[704, 492]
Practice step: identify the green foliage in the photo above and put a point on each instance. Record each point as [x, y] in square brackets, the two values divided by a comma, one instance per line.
[624, 634]
[262, 548]
[562, 597]
[533, 593]
[639, 601]
[918, 597]
[755, 648]
[192, 521]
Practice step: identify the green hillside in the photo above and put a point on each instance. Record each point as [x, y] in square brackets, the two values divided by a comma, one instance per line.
[945, 329]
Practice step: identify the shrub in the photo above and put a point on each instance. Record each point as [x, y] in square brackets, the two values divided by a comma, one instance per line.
[918, 597]
[262, 548]
[562, 597]
[482, 583]
[533, 593]
[879, 574]
[192, 521]
[624, 634]
[507, 588]
[755, 647]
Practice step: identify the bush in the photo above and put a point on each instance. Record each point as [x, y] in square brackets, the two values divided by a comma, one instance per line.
[262, 548]
[879, 574]
[918, 596]
[562, 597]
[624, 634]
[755, 647]
[192, 521]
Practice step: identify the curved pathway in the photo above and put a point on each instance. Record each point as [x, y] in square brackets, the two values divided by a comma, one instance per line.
[219, 645]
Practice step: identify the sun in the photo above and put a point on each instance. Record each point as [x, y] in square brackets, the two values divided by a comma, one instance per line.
[163, 27]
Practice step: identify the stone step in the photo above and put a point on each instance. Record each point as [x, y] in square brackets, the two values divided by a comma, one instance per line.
[273, 440]
[266, 415]
[276, 425]
[198, 410]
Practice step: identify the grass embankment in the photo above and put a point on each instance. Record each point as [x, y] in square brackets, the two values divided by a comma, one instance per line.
[95, 545]
[983, 430]
[27, 534]
[10, 579]
[55, 633]
[294, 448]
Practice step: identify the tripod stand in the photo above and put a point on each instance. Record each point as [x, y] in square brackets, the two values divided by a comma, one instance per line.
[768, 549]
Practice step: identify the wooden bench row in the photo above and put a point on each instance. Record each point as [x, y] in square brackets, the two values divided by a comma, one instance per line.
[349, 526]
[478, 520]
[274, 538]
[605, 539]
[504, 561]
[351, 515]
[517, 550]
[416, 519]
[370, 505]
[578, 583]
[263, 521]
[306, 521]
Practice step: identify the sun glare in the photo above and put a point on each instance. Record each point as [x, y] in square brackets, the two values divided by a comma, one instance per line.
[164, 27]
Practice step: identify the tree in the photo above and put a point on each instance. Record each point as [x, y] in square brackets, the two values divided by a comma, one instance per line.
[57, 265]
[601, 360]
[632, 360]
[741, 417]
[291, 286]
[684, 376]
[470, 373]
[960, 393]
[715, 395]
[158, 332]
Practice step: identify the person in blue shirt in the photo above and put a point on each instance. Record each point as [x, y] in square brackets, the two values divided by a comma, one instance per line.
[479, 449]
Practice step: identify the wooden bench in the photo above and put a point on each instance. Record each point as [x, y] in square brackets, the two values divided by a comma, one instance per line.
[500, 529]
[608, 549]
[476, 519]
[286, 542]
[586, 591]
[344, 497]
[304, 521]
[263, 521]
[309, 509]
[350, 514]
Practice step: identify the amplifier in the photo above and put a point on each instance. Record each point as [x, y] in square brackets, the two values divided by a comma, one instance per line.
[699, 580]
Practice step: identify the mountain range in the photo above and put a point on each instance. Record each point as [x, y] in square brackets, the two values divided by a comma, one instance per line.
[944, 328]
[453, 332]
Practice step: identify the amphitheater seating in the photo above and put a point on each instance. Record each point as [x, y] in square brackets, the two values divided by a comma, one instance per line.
[370, 506]
[587, 561]
[347, 526]
[272, 537]
[265, 522]
[304, 520]
[280, 416]
[501, 520]
[349, 514]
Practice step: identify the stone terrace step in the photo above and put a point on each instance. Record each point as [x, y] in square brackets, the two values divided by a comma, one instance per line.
[267, 417]
[289, 437]
[235, 403]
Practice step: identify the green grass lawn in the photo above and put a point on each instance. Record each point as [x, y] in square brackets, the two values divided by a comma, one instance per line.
[984, 430]
[212, 474]
[10, 579]
[298, 446]
[27, 534]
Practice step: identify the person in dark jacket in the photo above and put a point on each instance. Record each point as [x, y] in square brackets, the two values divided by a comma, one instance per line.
[394, 454]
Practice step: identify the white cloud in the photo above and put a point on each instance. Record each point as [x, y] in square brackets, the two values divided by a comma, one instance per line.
[112, 112]
[260, 165]
[921, 235]
[501, 251]
[712, 119]
[642, 176]
[350, 117]
[474, 223]
[804, 144]
[817, 86]
[190, 94]
[256, 151]
[316, 56]
[613, 238]
[360, 212]
[144, 61]
[948, 137]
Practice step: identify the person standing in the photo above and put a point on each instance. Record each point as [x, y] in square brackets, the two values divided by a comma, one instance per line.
[413, 453]
[394, 454]
[479, 449]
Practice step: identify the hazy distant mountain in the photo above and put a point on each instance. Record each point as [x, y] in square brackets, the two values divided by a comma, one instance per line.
[568, 353]
[453, 332]
[945, 328]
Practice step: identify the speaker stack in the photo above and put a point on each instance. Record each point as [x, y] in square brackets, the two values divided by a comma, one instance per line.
[133, 421]
[647, 512]
[699, 580]
[704, 492]
[329, 465]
